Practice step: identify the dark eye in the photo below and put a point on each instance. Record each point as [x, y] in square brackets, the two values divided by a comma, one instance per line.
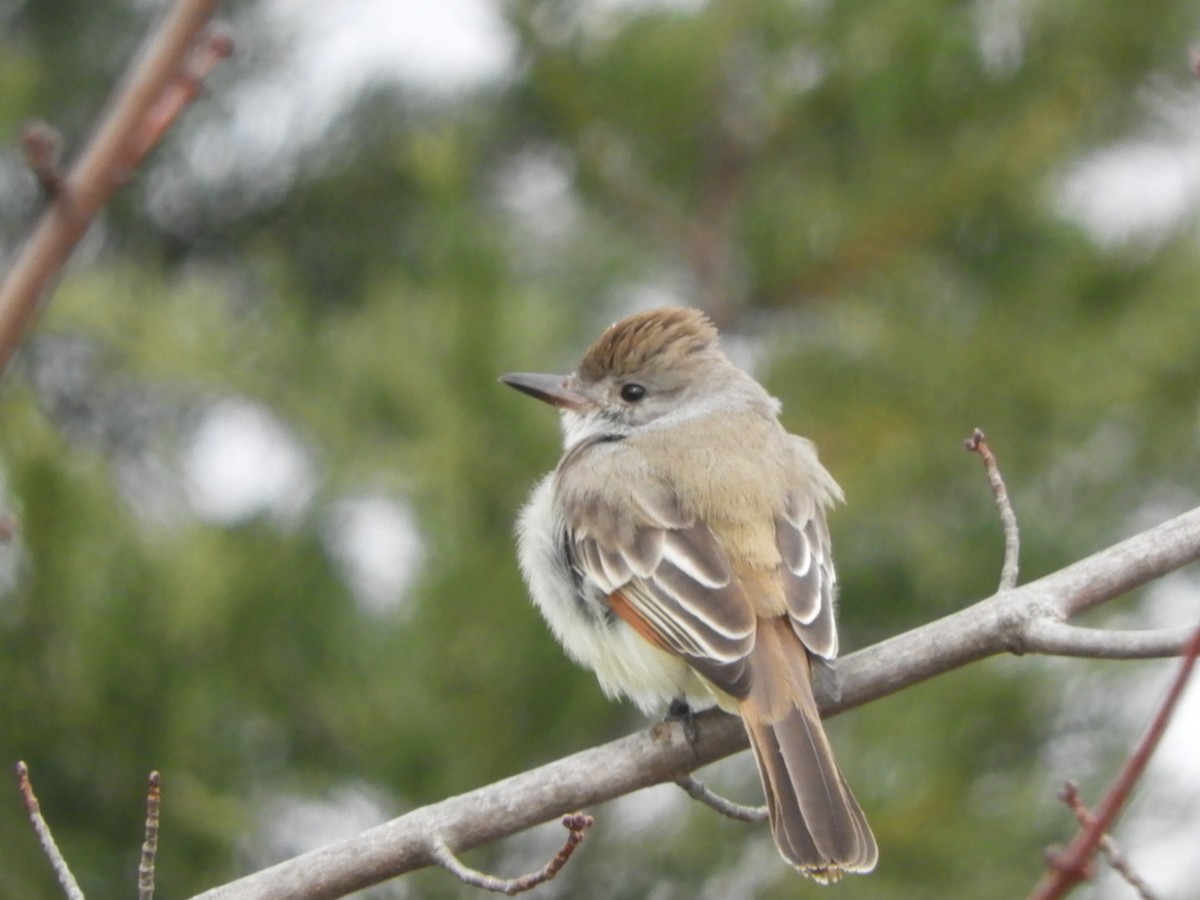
[632, 393]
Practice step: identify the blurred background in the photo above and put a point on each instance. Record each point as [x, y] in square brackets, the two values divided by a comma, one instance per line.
[261, 477]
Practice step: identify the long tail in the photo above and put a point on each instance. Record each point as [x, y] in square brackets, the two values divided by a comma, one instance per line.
[818, 825]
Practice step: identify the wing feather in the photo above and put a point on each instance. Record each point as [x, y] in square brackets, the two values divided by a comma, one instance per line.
[808, 577]
[667, 574]
[696, 551]
[669, 577]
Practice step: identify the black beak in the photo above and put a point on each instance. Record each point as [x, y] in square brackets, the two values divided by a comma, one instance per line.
[557, 390]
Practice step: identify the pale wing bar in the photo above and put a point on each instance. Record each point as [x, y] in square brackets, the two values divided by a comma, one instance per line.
[802, 538]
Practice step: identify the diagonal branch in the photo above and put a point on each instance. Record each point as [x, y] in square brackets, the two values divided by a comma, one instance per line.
[1071, 865]
[104, 165]
[1001, 623]
[1107, 846]
[663, 753]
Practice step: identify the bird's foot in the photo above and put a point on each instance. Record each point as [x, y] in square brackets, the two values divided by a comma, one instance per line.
[679, 711]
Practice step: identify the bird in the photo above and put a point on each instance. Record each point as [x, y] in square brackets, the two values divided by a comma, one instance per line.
[680, 550]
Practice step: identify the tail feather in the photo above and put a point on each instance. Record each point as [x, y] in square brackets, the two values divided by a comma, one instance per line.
[817, 824]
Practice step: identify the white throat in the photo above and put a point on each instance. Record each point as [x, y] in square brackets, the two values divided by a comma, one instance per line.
[577, 428]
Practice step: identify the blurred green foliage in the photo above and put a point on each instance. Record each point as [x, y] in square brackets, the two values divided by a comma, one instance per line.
[864, 195]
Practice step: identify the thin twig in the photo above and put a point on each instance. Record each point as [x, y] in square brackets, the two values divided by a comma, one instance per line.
[1070, 796]
[150, 843]
[1053, 637]
[1070, 866]
[575, 823]
[104, 165]
[42, 145]
[213, 46]
[977, 443]
[698, 790]
[61, 870]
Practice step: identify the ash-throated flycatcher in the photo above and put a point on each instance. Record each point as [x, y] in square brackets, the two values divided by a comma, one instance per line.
[680, 550]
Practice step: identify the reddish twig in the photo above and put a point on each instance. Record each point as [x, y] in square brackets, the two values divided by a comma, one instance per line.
[575, 823]
[977, 443]
[1072, 865]
[42, 146]
[103, 166]
[698, 790]
[61, 870]
[150, 842]
[214, 45]
[1070, 796]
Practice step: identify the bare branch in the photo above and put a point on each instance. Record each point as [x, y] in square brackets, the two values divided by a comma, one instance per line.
[150, 843]
[576, 824]
[1071, 866]
[697, 790]
[1052, 637]
[663, 752]
[977, 443]
[101, 169]
[61, 870]
[213, 46]
[647, 757]
[1116, 859]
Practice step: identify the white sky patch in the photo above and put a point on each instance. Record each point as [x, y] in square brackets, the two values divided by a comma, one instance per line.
[657, 811]
[337, 49]
[330, 53]
[1170, 603]
[450, 44]
[536, 189]
[242, 461]
[1159, 832]
[999, 35]
[1141, 190]
[378, 547]
[295, 824]
[757, 869]
[669, 289]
